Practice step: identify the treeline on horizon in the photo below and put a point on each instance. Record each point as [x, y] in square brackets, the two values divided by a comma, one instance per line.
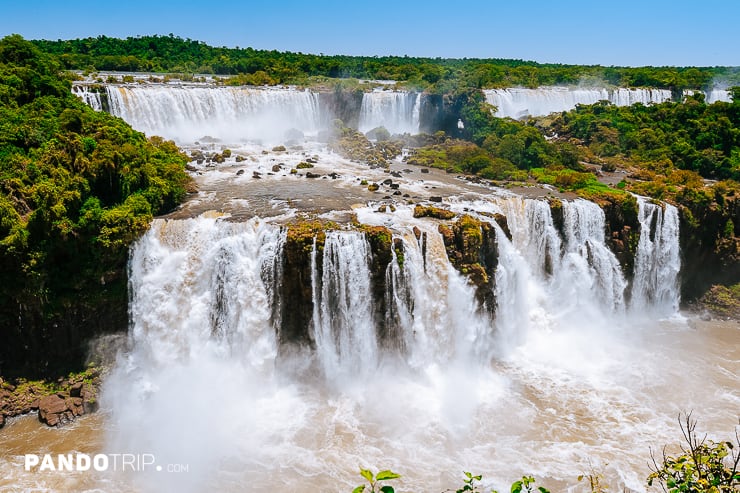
[177, 55]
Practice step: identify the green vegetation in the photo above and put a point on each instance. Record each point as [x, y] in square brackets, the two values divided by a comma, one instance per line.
[76, 188]
[723, 300]
[704, 466]
[439, 75]
[691, 135]
[374, 480]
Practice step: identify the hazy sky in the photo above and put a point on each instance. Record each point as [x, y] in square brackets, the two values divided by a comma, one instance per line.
[617, 32]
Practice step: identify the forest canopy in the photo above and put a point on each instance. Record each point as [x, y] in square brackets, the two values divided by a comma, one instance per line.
[174, 54]
[76, 186]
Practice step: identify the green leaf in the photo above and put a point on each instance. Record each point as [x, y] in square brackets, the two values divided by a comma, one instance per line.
[387, 489]
[386, 475]
[543, 489]
[367, 474]
[516, 487]
[359, 489]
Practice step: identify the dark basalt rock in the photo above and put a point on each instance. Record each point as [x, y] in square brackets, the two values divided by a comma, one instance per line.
[472, 250]
[710, 247]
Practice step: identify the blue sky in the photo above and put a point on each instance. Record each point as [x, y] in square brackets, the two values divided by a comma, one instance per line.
[616, 32]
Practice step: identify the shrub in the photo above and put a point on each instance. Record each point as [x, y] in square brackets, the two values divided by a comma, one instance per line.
[704, 466]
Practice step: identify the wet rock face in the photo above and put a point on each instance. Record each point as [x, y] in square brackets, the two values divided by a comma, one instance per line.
[40, 341]
[295, 309]
[622, 231]
[710, 246]
[57, 404]
[53, 410]
[472, 250]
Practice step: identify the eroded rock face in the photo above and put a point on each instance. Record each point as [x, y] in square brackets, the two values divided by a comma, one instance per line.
[295, 309]
[622, 231]
[57, 404]
[53, 410]
[472, 250]
[710, 246]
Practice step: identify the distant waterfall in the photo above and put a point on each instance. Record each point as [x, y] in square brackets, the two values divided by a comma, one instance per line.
[397, 111]
[236, 114]
[91, 98]
[518, 102]
[713, 95]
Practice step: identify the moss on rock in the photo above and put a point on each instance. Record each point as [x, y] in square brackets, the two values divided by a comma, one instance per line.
[432, 211]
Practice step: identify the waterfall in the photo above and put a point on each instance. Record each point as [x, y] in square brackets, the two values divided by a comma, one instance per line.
[397, 111]
[211, 381]
[233, 114]
[518, 102]
[658, 261]
[226, 274]
[595, 271]
[534, 233]
[343, 326]
[197, 282]
[91, 98]
[715, 94]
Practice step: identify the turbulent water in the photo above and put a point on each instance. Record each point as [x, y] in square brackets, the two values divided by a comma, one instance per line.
[575, 365]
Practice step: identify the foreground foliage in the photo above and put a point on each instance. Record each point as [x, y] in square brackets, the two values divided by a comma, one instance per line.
[703, 466]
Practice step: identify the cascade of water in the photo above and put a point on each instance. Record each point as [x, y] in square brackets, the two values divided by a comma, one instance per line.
[533, 231]
[398, 300]
[343, 324]
[593, 272]
[518, 102]
[202, 292]
[628, 97]
[232, 114]
[397, 111]
[198, 282]
[91, 98]
[713, 95]
[657, 262]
